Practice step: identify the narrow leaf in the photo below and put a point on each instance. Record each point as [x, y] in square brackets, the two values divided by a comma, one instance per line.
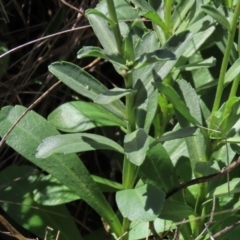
[85, 84]
[147, 11]
[177, 102]
[100, 53]
[68, 169]
[102, 30]
[112, 95]
[223, 189]
[51, 192]
[232, 72]
[73, 143]
[214, 13]
[79, 116]
[152, 104]
[155, 56]
[180, 133]
[136, 145]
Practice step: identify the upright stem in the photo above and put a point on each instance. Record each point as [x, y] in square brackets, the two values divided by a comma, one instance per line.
[229, 45]
[129, 169]
[114, 25]
[168, 10]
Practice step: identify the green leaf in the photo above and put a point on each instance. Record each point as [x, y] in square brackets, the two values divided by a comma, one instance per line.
[190, 98]
[136, 145]
[180, 133]
[175, 210]
[17, 201]
[80, 116]
[196, 144]
[103, 31]
[51, 192]
[215, 14]
[224, 119]
[85, 84]
[158, 169]
[112, 95]
[143, 203]
[100, 53]
[152, 57]
[123, 9]
[145, 77]
[205, 63]
[180, 12]
[223, 189]
[128, 48]
[76, 142]
[68, 169]
[144, 9]
[177, 102]
[176, 148]
[202, 77]
[152, 104]
[140, 230]
[197, 41]
[232, 72]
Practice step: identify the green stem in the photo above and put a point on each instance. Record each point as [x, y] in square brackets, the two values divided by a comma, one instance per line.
[197, 225]
[234, 87]
[229, 45]
[168, 10]
[228, 3]
[114, 25]
[130, 170]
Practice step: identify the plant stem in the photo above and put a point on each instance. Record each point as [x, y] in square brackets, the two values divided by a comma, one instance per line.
[168, 10]
[114, 25]
[197, 225]
[129, 169]
[229, 45]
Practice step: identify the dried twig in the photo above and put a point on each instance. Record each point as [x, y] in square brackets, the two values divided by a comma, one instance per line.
[74, 8]
[207, 178]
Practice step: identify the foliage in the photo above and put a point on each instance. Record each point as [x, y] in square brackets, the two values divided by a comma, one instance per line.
[178, 112]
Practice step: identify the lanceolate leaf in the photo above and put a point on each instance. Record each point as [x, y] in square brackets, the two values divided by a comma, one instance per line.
[76, 142]
[180, 12]
[112, 95]
[180, 133]
[232, 72]
[148, 58]
[100, 53]
[68, 169]
[136, 145]
[79, 116]
[177, 102]
[85, 84]
[214, 13]
[177, 45]
[151, 109]
[103, 32]
[51, 192]
[146, 10]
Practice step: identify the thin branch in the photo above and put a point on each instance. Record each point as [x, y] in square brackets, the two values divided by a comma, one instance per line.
[226, 229]
[74, 8]
[207, 178]
[41, 39]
